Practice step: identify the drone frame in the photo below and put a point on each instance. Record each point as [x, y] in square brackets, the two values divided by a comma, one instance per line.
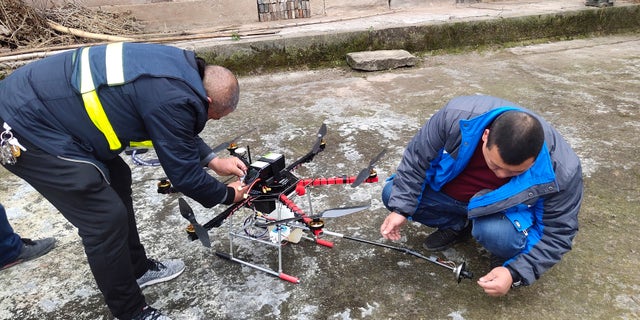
[277, 191]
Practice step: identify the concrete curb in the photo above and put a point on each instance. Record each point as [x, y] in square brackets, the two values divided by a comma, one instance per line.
[248, 56]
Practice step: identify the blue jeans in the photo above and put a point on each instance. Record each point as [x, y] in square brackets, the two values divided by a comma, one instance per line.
[437, 210]
[10, 244]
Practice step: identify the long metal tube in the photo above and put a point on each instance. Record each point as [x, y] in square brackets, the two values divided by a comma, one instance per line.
[459, 270]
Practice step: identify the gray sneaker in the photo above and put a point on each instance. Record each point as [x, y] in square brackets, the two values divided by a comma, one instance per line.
[32, 249]
[149, 313]
[161, 272]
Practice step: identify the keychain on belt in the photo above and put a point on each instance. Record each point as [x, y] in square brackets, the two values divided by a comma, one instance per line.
[10, 148]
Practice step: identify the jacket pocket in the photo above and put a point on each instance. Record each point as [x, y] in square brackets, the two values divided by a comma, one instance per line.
[521, 216]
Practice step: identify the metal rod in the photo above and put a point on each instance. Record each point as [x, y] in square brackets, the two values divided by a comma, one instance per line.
[279, 239]
[267, 270]
[460, 270]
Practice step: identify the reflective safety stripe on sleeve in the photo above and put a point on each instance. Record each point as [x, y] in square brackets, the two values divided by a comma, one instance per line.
[113, 64]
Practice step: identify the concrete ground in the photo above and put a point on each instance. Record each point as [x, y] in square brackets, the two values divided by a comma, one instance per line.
[587, 88]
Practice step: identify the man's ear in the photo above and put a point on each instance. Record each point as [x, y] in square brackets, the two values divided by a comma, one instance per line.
[485, 135]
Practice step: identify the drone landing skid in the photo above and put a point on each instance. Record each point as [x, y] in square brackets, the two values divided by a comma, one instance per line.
[280, 275]
[276, 235]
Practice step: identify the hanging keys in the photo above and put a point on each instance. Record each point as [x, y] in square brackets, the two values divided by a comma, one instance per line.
[10, 148]
[16, 147]
[6, 153]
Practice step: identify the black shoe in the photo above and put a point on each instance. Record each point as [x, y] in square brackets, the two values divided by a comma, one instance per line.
[443, 239]
[32, 249]
[149, 313]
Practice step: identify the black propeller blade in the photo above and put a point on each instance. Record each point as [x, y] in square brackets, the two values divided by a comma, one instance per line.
[187, 213]
[226, 144]
[317, 147]
[364, 174]
[321, 133]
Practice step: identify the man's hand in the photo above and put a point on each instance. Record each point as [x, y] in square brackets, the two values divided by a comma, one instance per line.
[390, 228]
[497, 282]
[240, 188]
[228, 166]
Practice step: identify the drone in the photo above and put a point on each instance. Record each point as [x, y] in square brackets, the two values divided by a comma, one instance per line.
[273, 217]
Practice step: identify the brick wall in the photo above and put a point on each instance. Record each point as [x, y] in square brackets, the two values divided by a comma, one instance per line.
[270, 10]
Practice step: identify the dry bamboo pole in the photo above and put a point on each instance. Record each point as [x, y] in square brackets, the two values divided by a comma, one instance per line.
[84, 34]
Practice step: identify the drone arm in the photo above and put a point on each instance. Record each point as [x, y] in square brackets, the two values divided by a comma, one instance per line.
[304, 159]
[293, 207]
[217, 220]
[303, 183]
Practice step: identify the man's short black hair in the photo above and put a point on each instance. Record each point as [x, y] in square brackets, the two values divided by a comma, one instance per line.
[518, 135]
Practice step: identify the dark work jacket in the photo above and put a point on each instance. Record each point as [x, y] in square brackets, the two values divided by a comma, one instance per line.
[163, 101]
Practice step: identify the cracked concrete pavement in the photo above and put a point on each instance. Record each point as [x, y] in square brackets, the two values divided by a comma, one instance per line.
[587, 88]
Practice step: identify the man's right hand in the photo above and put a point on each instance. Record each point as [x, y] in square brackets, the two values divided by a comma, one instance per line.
[228, 166]
[241, 190]
[390, 228]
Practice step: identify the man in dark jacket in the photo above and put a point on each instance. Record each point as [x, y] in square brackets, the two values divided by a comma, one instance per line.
[486, 167]
[69, 116]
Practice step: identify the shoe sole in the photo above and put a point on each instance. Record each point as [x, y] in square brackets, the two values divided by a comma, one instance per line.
[448, 245]
[441, 248]
[11, 264]
[19, 261]
[159, 280]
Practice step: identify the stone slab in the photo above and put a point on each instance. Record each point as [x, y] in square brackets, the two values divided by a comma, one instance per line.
[380, 60]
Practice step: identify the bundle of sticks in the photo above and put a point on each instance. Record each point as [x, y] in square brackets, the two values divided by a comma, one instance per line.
[28, 26]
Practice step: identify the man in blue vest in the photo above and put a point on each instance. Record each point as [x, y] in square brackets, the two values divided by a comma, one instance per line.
[487, 168]
[69, 116]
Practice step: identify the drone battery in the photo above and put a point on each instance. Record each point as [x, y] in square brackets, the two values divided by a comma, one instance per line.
[265, 173]
[265, 206]
[258, 169]
[266, 169]
[275, 160]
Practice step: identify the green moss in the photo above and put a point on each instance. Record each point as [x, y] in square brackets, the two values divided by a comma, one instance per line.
[330, 50]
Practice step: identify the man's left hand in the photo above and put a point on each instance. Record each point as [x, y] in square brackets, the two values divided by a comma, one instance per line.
[228, 166]
[497, 282]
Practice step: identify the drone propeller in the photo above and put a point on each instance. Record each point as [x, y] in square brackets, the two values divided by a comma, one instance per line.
[329, 213]
[226, 144]
[321, 133]
[364, 173]
[317, 147]
[187, 213]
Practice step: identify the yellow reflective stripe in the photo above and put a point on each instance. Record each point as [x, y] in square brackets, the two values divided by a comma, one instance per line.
[139, 144]
[86, 81]
[99, 118]
[92, 103]
[113, 64]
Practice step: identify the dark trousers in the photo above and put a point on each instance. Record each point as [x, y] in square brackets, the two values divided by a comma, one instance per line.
[102, 213]
[10, 244]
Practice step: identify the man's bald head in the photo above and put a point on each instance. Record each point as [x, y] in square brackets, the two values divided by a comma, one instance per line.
[222, 89]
